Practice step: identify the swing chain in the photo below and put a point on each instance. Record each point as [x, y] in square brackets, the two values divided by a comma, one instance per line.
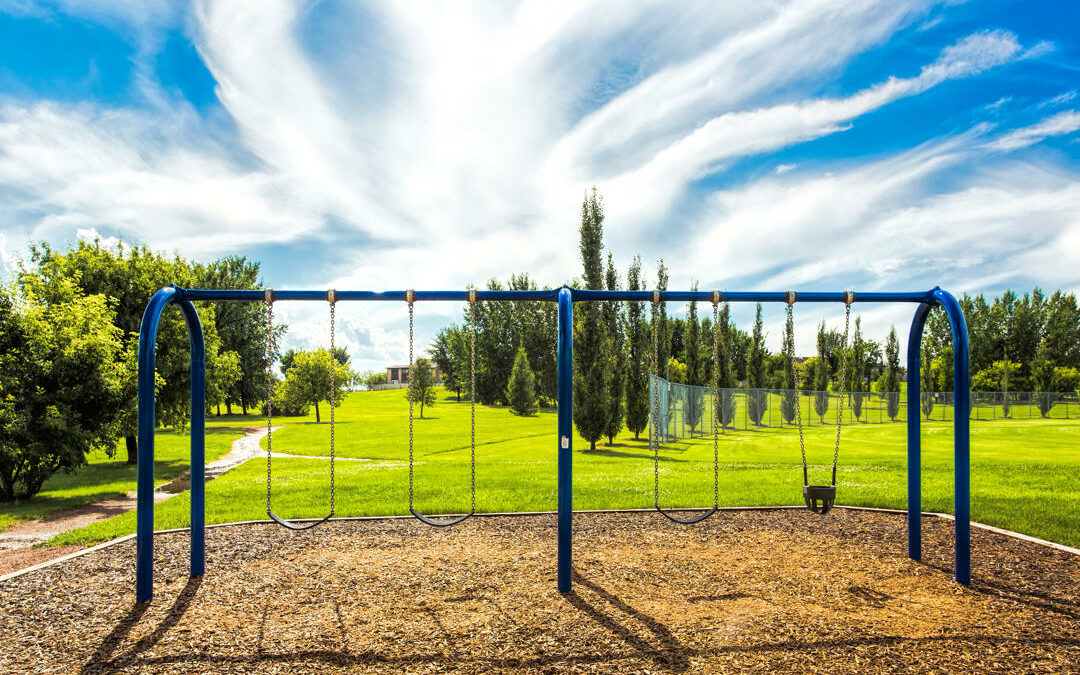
[268, 296]
[791, 296]
[716, 400]
[409, 297]
[654, 421]
[472, 391]
[331, 295]
[849, 297]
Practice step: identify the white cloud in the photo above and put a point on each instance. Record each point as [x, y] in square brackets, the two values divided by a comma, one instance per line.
[1063, 123]
[454, 140]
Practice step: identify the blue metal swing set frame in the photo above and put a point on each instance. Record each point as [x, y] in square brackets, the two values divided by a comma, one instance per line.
[565, 298]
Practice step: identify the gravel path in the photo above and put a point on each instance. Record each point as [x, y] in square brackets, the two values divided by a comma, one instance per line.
[761, 592]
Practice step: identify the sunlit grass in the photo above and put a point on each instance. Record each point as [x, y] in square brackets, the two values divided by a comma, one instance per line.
[1025, 474]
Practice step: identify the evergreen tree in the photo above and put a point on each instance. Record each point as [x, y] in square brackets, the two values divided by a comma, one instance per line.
[757, 398]
[521, 390]
[787, 403]
[890, 384]
[926, 382]
[1042, 374]
[616, 356]
[856, 367]
[726, 378]
[663, 352]
[695, 402]
[822, 374]
[637, 382]
[591, 365]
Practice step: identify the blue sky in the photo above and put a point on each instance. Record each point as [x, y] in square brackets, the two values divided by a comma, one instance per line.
[811, 144]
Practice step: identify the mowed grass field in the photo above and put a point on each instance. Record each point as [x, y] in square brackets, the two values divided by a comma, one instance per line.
[107, 477]
[1025, 474]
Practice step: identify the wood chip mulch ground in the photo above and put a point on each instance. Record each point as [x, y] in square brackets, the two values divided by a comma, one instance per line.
[761, 592]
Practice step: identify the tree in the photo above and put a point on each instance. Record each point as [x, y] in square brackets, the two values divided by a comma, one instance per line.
[421, 385]
[222, 375]
[822, 374]
[638, 366]
[591, 374]
[695, 401]
[788, 402]
[314, 377]
[521, 390]
[856, 370]
[726, 379]
[450, 352]
[63, 382]
[1042, 374]
[926, 380]
[890, 381]
[616, 356]
[241, 327]
[664, 336]
[758, 398]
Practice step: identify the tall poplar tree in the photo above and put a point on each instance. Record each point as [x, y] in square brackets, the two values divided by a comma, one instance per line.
[694, 367]
[591, 367]
[616, 355]
[664, 337]
[890, 383]
[726, 377]
[638, 367]
[855, 370]
[822, 374]
[787, 403]
[757, 399]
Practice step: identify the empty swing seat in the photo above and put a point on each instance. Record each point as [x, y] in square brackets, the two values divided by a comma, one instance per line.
[819, 498]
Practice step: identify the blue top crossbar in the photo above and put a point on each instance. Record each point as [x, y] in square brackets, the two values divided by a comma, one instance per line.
[576, 295]
[565, 297]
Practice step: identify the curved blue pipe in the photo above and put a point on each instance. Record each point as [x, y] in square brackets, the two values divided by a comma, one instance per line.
[144, 517]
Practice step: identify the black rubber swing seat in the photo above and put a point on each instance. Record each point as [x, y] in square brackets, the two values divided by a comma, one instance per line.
[687, 521]
[297, 526]
[819, 498]
[440, 523]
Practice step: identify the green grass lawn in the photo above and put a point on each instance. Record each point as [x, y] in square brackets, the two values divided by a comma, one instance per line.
[107, 478]
[1025, 474]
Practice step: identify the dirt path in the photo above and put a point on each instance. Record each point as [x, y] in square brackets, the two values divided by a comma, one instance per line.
[17, 549]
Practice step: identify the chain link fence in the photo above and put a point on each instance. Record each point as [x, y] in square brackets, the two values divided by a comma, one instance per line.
[687, 411]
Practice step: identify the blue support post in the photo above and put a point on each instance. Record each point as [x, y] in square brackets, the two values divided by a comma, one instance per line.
[961, 435]
[198, 438]
[566, 437]
[144, 488]
[914, 433]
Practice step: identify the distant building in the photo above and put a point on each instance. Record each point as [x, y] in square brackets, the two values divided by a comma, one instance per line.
[400, 374]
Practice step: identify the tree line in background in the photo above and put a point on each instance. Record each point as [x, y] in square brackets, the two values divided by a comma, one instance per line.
[1017, 344]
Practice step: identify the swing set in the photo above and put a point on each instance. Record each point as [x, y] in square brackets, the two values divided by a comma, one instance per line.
[818, 498]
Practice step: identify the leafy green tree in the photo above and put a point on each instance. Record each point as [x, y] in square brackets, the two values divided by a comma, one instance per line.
[241, 327]
[676, 370]
[1066, 380]
[757, 400]
[314, 376]
[421, 385]
[222, 375]
[616, 356]
[637, 382]
[822, 373]
[788, 402]
[926, 381]
[63, 382]
[372, 378]
[128, 276]
[450, 352]
[591, 349]
[521, 390]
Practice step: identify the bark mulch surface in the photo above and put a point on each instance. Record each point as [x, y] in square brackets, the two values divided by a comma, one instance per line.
[778, 591]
